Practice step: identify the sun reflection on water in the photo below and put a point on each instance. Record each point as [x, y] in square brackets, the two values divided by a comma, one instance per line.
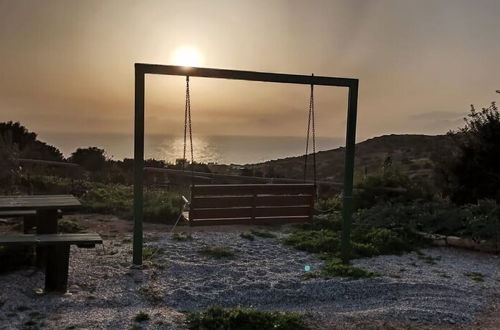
[171, 148]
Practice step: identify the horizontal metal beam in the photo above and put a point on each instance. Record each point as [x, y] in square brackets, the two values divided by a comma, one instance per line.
[174, 70]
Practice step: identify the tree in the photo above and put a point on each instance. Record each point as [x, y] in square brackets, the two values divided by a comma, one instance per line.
[475, 173]
[91, 158]
[26, 142]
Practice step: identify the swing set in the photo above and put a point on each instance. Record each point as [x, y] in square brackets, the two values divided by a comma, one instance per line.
[245, 203]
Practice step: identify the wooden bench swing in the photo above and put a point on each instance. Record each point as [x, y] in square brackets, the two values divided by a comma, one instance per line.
[228, 204]
[249, 204]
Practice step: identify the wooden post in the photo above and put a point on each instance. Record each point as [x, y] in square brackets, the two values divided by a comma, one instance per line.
[350, 146]
[138, 165]
[56, 272]
[46, 224]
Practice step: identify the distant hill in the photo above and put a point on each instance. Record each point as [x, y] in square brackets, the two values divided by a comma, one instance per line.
[411, 153]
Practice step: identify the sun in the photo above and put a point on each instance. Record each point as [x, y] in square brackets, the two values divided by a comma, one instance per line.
[187, 56]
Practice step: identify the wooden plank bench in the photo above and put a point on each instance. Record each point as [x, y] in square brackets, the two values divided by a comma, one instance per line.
[58, 248]
[249, 204]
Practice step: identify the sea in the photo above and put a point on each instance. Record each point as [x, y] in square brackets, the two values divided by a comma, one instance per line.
[206, 149]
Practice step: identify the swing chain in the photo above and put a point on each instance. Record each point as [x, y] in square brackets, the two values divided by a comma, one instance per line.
[187, 127]
[311, 127]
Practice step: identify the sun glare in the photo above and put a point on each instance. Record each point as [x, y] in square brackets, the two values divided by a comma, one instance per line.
[187, 56]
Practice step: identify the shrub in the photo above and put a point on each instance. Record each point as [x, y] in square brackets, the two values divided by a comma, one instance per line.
[331, 221]
[152, 253]
[66, 225]
[481, 220]
[473, 173]
[239, 318]
[329, 204]
[389, 185]
[91, 159]
[117, 199]
[159, 206]
[337, 269]
[247, 236]
[141, 317]
[314, 241]
[182, 236]
[378, 240]
[475, 276]
[263, 234]
[217, 252]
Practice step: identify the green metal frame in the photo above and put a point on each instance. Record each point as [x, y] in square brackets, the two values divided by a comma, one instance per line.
[142, 69]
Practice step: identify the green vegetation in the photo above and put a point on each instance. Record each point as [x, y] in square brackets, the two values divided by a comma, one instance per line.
[248, 319]
[248, 236]
[159, 205]
[323, 237]
[151, 253]
[182, 236]
[426, 258]
[481, 220]
[263, 234]
[66, 225]
[335, 268]
[473, 174]
[150, 294]
[217, 252]
[475, 276]
[390, 184]
[141, 317]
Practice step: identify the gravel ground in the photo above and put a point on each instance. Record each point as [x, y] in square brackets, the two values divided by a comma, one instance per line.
[430, 288]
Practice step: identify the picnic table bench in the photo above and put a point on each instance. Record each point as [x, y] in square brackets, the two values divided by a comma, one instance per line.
[52, 248]
[58, 248]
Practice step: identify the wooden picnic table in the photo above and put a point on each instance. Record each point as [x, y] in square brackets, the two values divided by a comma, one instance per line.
[52, 249]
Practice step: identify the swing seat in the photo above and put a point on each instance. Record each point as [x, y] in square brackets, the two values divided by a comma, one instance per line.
[251, 204]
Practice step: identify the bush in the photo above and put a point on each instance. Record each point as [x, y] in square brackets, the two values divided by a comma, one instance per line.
[371, 241]
[473, 173]
[247, 236]
[117, 199]
[159, 206]
[141, 317]
[329, 204]
[91, 159]
[481, 220]
[337, 269]
[66, 225]
[217, 252]
[314, 241]
[244, 319]
[262, 234]
[182, 236]
[390, 185]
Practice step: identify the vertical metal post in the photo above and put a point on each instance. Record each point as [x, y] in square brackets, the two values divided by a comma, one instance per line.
[347, 207]
[138, 165]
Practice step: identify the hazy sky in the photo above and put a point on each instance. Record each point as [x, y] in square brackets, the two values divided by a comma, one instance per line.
[67, 66]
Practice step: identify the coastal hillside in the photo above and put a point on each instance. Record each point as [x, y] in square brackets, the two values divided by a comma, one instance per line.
[411, 153]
